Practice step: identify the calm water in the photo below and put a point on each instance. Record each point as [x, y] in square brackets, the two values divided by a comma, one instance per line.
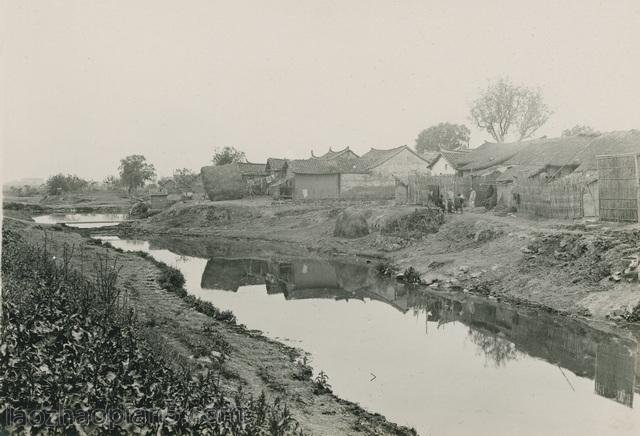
[88, 220]
[446, 365]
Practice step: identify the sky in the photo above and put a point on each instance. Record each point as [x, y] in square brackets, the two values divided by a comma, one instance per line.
[85, 83]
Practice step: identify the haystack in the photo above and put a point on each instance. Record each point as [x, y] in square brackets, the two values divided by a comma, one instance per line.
[351, 223]
[223, 182]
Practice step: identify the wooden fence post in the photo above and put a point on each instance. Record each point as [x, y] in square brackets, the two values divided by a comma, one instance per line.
[637, 157]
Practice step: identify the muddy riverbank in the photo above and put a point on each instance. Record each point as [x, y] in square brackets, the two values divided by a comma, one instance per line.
[254, 363]
[572, 268]
[441, 324]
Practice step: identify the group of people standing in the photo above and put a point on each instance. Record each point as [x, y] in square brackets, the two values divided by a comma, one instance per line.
[453, 203]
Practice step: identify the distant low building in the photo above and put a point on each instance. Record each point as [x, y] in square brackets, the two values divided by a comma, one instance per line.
[158, 200]
[449, 163]
[276, 166]
[278, 183]
[315, 179]
[379, 168]
[368, 177]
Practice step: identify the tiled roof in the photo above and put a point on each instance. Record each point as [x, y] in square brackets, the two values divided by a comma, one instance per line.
[457, 159]
[520, 172]
[332, 166]
[345, 153]
[563, 151]
[375, 157]
[609, 143]
[490, 154]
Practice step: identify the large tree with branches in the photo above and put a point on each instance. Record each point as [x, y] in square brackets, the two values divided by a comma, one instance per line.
[506, 109]
[135, 171]
[444, 135]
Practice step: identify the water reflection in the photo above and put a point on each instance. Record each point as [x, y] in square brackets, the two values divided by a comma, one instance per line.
[447, 364]
[82, 220]
[304, 279]
[500, 332]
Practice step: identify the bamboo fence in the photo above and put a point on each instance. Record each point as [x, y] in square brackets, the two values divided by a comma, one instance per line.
[559, 199]
[619, 187]
[423, 189]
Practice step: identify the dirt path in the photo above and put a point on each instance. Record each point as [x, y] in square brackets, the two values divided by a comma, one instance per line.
[184, 336]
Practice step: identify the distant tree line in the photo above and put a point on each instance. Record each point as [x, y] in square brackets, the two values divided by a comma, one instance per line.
[61, 183]
[134, 173]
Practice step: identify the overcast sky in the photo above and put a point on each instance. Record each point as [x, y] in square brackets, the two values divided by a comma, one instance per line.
[85, 83]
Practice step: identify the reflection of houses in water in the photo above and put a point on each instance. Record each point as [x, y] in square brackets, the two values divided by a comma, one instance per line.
[610, 360]
[303, 279]
[616, 371]
[230, 274]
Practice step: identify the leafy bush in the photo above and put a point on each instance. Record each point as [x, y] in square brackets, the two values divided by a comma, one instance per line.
[321, 384]
[411, 276]
[415, 224]
[387, 269]
[95, 367]
[209, 309]
[634, 315]
[171, 279]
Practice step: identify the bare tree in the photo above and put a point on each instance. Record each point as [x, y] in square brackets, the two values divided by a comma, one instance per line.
[503, 108]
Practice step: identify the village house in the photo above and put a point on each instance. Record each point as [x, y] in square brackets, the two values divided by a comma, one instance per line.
[276, 167]
[381, 167]
[542, 159]
[338, 176]
[315, 179]
[619, 143]
[448, 162]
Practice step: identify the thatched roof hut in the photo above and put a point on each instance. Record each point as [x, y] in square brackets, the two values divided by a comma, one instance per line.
[557, 152]
[620, 142]
[490, 154]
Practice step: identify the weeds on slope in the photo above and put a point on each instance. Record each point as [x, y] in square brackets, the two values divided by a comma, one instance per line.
[72, 361]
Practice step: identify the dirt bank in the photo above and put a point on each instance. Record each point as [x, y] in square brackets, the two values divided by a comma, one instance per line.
[570, 267]
[100, 201]
[254, 362]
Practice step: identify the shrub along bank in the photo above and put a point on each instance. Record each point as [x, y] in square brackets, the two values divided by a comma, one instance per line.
[73, 360]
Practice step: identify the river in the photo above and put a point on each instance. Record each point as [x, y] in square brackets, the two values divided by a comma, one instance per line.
[443, 363]
[82, 220]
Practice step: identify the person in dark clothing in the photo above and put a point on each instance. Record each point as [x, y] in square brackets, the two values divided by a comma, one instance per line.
[441, 203]
[459, 203]
[449, 205]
